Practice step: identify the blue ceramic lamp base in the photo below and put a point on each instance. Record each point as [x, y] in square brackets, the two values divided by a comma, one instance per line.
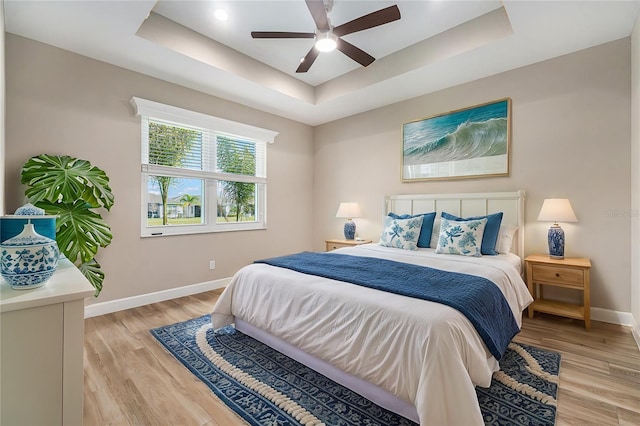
[556, 242]
[349, 230]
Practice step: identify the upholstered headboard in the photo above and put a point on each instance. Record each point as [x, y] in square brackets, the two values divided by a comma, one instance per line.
[465, 205]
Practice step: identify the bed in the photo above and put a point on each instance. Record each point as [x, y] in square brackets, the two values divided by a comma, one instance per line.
[415, 357]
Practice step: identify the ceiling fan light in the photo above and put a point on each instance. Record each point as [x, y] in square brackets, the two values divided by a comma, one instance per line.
[221, 14]
[326, 42]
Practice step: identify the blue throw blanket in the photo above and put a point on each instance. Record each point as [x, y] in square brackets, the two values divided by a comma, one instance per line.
[479, 299]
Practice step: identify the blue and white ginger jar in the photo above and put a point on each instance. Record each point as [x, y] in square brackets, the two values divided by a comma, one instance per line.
[29, 259]
[29, 210]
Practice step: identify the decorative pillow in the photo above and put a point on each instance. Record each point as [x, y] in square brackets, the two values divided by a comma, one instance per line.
[424, 240]
[490, 236]
[461, 237]
[401, 233]
[505, 238]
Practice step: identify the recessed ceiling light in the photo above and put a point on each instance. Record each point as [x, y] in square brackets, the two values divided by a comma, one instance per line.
[221, 15]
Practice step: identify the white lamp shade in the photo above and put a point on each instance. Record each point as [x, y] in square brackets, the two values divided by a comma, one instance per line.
[557, 210]
[349, 210]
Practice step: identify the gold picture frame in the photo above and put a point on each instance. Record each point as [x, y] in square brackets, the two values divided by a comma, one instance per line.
[466, 143]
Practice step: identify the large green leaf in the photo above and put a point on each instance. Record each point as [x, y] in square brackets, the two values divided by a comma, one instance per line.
[91, 270]
[69, 187]
[79, 231]
[56, 178]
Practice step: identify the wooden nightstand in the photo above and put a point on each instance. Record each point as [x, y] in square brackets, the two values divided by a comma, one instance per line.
[570, 272]
[336, 244]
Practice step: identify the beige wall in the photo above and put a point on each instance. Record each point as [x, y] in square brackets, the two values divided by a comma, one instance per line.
[635, 177]
[62, 103]
[571, 132]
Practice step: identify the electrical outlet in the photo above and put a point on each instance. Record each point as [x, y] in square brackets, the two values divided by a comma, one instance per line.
[212, 265]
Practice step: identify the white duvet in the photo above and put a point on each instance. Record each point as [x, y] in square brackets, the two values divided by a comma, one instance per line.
[423, 352]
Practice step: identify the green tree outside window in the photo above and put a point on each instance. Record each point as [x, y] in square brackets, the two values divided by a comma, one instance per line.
[169, 146]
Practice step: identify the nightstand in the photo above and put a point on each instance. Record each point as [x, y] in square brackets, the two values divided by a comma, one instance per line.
[570, 272]
[336, 244]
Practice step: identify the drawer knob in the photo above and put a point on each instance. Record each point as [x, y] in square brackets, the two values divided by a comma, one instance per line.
[557, 274]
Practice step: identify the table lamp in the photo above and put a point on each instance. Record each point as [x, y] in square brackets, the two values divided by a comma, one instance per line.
[349, 211]
[556, 210]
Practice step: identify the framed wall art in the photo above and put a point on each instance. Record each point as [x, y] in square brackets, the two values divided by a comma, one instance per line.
[466, 143]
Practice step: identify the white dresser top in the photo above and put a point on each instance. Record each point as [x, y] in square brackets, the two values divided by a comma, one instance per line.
[65, 285]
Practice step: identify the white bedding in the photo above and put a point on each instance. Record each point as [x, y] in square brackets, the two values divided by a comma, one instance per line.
[425, 353]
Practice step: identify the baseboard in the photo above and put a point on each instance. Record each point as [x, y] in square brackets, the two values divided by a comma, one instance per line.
[612, 317]
[103, 308]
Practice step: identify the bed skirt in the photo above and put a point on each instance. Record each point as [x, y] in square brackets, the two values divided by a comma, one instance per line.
[373, 393]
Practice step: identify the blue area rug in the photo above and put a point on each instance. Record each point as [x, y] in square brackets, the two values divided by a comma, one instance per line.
[265, 387]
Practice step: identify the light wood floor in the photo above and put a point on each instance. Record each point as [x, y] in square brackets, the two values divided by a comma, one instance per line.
[131, 380]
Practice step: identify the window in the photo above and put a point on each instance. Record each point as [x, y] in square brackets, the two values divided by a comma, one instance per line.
[200, 173]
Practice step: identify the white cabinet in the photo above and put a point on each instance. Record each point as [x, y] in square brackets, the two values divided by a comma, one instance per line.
[41, 350]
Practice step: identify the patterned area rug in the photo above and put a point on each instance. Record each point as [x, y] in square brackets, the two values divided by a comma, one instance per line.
[266, 387]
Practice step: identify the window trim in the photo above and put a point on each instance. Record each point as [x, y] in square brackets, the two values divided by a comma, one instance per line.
[146, 110]
[144, 107]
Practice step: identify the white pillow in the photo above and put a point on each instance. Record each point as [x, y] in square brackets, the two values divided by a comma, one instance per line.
[461, 237]
[401, 233]
[505, 238]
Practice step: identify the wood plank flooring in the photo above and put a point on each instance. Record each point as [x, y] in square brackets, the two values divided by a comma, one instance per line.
[131, 380]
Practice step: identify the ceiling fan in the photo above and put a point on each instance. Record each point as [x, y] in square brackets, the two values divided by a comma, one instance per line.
[328, 37]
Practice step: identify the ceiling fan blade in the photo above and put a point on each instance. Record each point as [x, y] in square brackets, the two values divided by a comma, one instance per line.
[355, 53]
[319, 14]
[381, 17]
[308, 60]
[278, 34]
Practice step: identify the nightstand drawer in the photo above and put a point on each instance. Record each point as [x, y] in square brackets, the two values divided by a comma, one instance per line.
[566, 277]
[336, 244]
[333, 246]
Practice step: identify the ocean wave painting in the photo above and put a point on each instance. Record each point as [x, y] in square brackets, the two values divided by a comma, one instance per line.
[463, 143]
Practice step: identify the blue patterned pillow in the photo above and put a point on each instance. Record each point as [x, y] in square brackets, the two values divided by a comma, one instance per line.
[401, 233]
[424, 240]
[490, 237]
[461, 237]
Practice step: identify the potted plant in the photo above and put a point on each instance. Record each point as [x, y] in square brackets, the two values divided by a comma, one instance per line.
[71, 189]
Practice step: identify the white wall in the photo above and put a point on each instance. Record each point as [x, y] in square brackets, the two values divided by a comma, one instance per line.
[59, 102]
[635, 178]
[571, 130]
[2, 119]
